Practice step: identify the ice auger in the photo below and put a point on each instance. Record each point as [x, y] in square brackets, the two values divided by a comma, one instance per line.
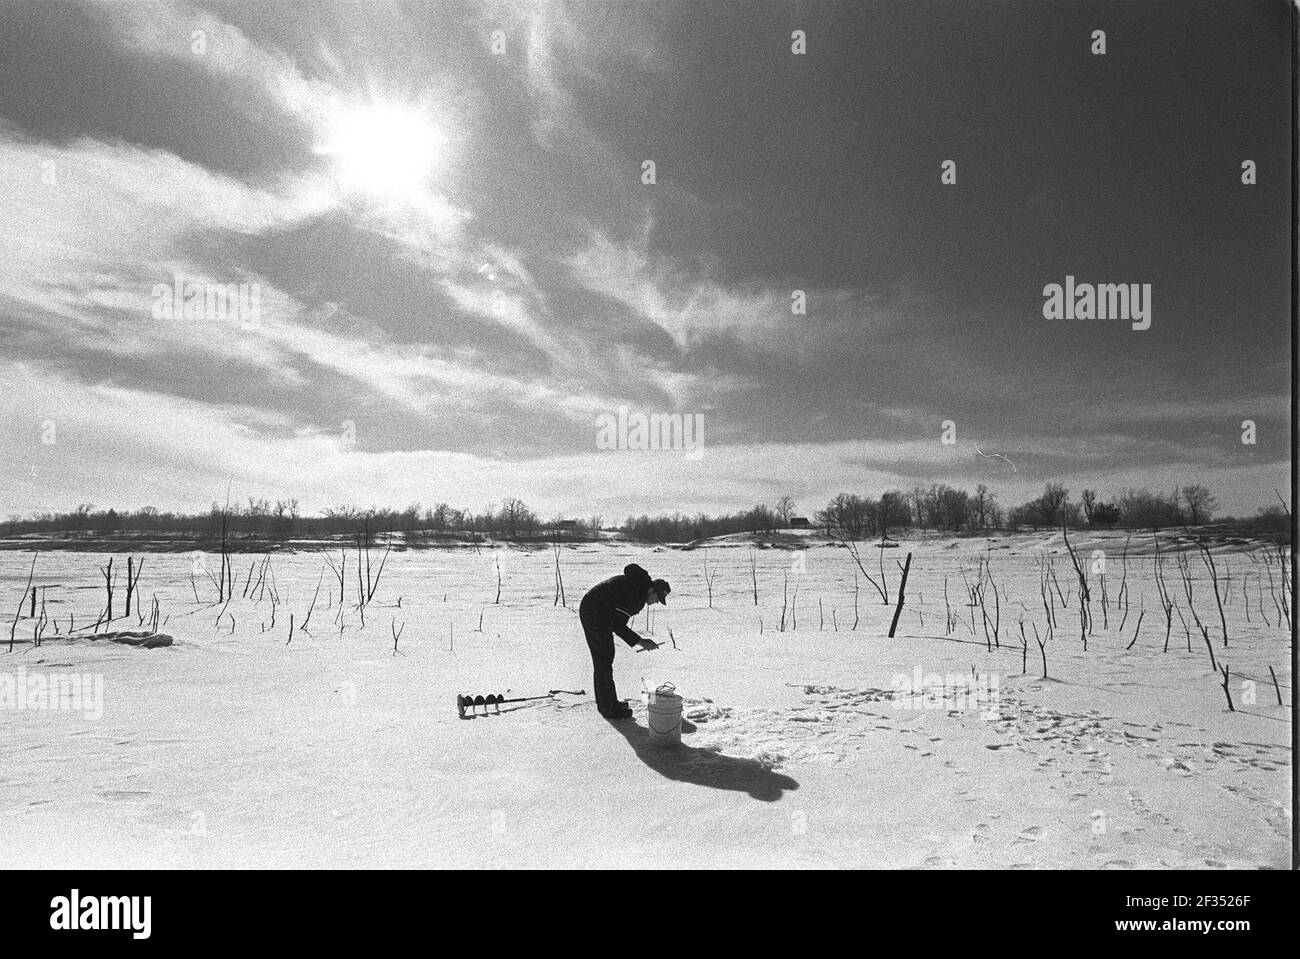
[466, 703]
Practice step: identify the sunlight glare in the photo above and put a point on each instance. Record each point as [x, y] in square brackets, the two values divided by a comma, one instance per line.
[384, 151]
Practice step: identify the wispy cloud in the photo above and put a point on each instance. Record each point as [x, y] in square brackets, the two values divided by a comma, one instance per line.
[483, 312]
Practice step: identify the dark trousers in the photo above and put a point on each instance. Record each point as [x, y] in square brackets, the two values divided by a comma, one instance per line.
[600, 640]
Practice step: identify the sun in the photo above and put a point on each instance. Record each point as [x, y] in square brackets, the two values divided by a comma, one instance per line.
[384, 151]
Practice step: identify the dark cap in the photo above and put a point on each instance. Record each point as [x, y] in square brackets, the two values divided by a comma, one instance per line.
[663, 589]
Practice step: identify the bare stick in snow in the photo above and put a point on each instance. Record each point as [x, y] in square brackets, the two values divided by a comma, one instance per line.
[1276, 688]
[902, 587]
[1226, 691]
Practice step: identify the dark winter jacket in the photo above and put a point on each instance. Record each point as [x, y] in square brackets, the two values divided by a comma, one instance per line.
[610, 604]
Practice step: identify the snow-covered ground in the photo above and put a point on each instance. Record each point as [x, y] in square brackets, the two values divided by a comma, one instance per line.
[804, 747]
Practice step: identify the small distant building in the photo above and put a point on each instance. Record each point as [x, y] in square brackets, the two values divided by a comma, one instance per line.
[569, 524]
[798, 522]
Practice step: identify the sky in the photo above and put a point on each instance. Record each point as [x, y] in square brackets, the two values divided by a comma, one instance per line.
[454, 267]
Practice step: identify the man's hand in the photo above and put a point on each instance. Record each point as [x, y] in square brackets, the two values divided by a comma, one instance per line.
[648, 644]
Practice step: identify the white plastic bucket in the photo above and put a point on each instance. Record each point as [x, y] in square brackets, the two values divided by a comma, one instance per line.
[664, 707]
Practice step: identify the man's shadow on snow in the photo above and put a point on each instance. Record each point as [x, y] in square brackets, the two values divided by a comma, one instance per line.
[703, 767]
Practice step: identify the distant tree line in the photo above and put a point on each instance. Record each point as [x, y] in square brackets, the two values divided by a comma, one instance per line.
[848, 515]
[260, 519]
[680, 528]
[943, 508]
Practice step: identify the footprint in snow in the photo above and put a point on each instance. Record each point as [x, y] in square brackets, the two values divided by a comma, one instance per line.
[1029, 835]
[124, 795]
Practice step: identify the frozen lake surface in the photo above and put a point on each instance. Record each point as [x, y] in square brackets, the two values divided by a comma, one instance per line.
[805, 747]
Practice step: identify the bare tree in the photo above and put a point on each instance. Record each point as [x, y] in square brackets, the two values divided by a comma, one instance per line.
[893, 511]
[1089, 498]
[981, 505]
[1199, 503]
[515, 517]
[1054, 500]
